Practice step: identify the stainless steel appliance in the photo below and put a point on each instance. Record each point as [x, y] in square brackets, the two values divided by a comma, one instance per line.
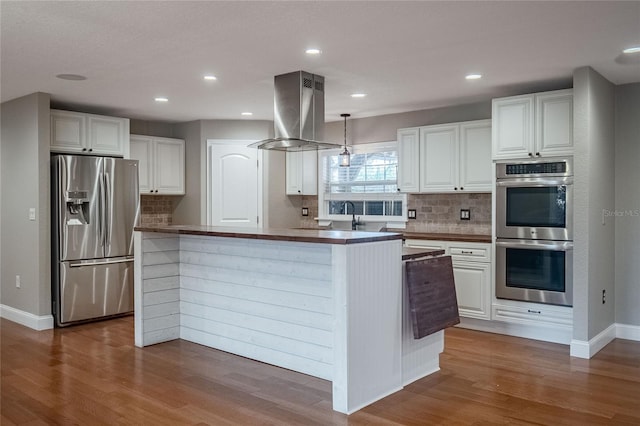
[534, 230]
[95, 206]
[298, 114]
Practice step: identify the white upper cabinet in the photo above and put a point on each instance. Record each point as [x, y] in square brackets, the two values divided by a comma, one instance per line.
[439, 158]
[75, 132]
[302, 173]
[409, 160]
[475, 156]
[161, 164]
[450, 157]
[535, 125]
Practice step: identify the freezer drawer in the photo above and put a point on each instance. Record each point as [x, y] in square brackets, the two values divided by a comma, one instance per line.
[93, 290]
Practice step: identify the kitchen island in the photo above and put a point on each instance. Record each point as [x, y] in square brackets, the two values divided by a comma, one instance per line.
[324, 303]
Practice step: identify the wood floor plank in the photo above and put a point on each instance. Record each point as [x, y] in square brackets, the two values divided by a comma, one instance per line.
[93, 374]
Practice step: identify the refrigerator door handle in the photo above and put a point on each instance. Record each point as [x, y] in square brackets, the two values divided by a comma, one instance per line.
[99, 262]
[101, 210]
[108, 195]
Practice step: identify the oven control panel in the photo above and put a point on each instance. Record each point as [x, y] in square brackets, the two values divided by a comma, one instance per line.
[557, 167]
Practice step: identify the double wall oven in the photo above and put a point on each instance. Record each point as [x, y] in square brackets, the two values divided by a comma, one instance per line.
[534, 230]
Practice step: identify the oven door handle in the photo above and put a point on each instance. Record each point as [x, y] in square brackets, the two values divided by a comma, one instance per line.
[537, 245]
[532, 182]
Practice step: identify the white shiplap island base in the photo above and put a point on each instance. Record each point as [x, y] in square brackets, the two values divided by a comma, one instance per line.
[324, 303]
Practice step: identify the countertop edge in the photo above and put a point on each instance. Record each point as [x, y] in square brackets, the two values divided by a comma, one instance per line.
[468, 238]
[270, 234]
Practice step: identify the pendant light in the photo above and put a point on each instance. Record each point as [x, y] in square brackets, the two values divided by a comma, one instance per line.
[345, 156]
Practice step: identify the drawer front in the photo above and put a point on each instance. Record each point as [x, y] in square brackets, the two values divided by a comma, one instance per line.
[470, 253]
[427, 244]
[534, 315]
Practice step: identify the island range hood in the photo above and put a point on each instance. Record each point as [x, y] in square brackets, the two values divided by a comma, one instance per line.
[298, 114]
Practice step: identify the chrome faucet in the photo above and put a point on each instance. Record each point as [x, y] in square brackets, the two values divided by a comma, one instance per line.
[354, 223]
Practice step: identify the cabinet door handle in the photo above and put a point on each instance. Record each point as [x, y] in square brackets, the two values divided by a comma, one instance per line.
[455, 188]
[398, 189]
[156, 190]
[461, 188]
[90, 149]
[530, 154]
[84, 149]
[531, 311]
[151, 190]
[537, 154]
[467, 252]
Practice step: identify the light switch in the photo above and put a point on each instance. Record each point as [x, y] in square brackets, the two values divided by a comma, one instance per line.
[32, 213]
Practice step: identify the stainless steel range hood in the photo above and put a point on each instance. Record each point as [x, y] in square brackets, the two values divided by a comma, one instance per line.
[298, 114]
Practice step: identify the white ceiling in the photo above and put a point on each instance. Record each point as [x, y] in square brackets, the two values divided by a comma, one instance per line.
[404, 55]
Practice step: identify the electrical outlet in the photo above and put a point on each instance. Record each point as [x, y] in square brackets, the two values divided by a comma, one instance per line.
[411, 213]
[305, 211]
[18, 283]
[465, 214]
[604, 295]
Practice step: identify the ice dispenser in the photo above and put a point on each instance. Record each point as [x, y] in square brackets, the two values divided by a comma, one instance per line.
[77, 212]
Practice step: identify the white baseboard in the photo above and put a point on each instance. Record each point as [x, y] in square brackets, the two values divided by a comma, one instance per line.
[557, 334]
[43, 322]
[584, 349]
[629, 332]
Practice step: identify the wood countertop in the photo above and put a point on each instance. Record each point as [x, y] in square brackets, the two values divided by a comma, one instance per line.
[469, 238]
[410, 253]
[273, 234]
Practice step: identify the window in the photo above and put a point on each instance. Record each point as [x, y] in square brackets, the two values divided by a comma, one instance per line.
[367, 188]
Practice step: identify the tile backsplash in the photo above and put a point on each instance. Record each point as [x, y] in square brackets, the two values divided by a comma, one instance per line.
[435, 213]
[440, 213]
[155, 210]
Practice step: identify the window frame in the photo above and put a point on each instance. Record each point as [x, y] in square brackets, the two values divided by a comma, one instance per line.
[324, 197]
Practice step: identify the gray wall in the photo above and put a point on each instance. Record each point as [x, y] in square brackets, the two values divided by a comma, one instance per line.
[384, 127]
[190, 209]
[594, 161]
[627, 248]
[25, 184]
[151, 128]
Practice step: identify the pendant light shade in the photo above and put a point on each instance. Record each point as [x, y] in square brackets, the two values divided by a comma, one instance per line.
[345, 156]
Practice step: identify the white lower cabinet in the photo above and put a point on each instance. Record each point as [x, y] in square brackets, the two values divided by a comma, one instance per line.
[471, 273]
[473, 284]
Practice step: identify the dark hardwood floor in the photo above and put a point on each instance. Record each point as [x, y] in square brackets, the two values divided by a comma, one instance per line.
[92, 375]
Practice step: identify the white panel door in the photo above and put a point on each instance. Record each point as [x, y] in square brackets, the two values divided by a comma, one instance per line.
[554, 123]
[107, 135]
[234, 183]
[439, 158]
[512, 127]
[169, 164]
[472, 288]
[140, 149]
[409, 160]
[68, 131]
[475, 156]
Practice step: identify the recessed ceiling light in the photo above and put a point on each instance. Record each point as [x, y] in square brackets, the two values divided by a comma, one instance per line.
[313, 51]
[358, 95]
[473, 76]
[634, 49]
[210, 77]
[247, 113]
[73, 77]
[161, 99]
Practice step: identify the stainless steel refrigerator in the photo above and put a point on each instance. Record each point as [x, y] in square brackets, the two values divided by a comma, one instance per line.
[95, 206]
